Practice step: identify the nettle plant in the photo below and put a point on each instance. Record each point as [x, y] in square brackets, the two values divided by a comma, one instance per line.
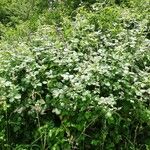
[88, 91]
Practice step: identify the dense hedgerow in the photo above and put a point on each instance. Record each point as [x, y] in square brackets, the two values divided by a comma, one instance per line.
[83, 84]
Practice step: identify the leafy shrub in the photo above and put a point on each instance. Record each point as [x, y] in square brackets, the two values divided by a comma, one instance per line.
[80, 85]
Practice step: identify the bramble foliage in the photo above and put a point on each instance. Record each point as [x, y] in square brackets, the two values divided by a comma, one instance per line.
[79, 81]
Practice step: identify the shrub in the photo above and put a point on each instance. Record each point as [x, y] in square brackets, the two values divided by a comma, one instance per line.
[80, 85]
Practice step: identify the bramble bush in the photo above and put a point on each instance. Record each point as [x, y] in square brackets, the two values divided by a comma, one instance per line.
[84, 84]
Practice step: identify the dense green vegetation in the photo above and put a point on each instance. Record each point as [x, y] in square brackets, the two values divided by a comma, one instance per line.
[74, 75]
